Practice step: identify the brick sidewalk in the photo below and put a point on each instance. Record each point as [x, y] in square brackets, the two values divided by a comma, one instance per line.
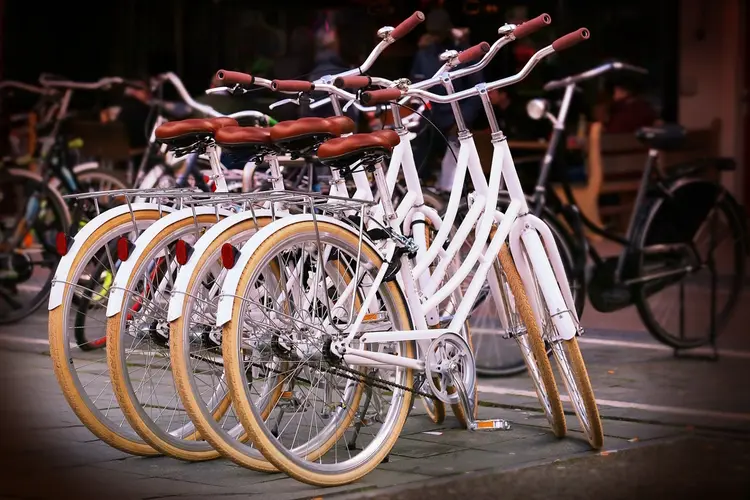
[49, 451]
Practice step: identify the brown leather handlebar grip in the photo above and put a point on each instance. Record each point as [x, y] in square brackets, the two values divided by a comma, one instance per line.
[226, 78]
[473, 53]
[532, 25]
[407, 25]
[567, 41]
[292, 86]
[352, 82]
[380, 96]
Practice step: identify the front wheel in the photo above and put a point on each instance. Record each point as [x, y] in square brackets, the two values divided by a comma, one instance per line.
[495, 357]
[568, 359]
[335, 422]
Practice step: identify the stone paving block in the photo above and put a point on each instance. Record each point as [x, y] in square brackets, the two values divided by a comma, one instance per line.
[412, 448]
[465, 439]
[157, 487]
[448, 463]
[291, 489]
[219, 472]
[72, 482]
[74, 454]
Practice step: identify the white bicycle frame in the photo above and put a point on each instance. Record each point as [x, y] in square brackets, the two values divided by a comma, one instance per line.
[531, 243]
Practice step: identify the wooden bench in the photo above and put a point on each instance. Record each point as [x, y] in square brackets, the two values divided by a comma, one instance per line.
[622, 158]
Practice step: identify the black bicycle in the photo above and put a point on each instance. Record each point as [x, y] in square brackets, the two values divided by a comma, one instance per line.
[34, 213]
[686, 241]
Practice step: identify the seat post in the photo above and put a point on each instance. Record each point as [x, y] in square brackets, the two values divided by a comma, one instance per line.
[386, 198]
[213, 158]
[336, 181]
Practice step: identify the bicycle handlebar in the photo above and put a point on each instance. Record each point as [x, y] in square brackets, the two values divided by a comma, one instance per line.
[27, 87]
[204, 108]
[352, 82]
[593, 73]
[531, 26]
[407, 25]
[562, 43]
[571, 39]
[68, 84]
[292, 86]
[473, 53]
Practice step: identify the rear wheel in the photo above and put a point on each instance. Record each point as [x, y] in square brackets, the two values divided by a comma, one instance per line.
[696, 238]
[82, 371]
[355, 412]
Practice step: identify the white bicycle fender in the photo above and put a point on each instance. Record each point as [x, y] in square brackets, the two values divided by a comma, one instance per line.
[63, 268]
[201, 246]
[232, 279]
[117, 290]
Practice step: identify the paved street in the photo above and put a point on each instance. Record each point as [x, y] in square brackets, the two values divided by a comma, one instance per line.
[672, 425]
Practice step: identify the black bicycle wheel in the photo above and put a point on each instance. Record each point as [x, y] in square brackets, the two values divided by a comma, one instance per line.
[692, 241]
[28, 253]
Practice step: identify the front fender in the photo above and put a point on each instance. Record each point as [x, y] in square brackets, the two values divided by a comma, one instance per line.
[182, 282]
[232, 280]
[118, 288]
[86, 232]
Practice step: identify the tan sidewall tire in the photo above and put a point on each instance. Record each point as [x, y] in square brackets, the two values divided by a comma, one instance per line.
[536, 343]
[58, 338]
[235, 382]
[118, 371]
[582, 381]
[180, 370]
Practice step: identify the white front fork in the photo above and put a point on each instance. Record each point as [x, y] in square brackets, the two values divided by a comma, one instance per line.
[546, 265]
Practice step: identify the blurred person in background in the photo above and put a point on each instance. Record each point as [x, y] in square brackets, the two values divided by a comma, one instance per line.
[428, 146]
[625, 110]
[328, 61]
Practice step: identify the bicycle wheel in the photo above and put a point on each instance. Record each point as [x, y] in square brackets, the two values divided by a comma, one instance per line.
[83, 374]
[100, 181]
[195, 349]
[572, 369]
[322, 395]
[138, 347]
[31, 217]
[693, 239]
[533, 348]
[494, 356]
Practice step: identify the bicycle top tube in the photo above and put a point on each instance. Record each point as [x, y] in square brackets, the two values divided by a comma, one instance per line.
[593, 73]
[393, 93]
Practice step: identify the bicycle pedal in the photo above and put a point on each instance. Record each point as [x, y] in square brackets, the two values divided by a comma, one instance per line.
[495, 424]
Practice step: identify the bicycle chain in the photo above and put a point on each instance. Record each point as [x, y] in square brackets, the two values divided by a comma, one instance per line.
[377, 382]
[358, 376]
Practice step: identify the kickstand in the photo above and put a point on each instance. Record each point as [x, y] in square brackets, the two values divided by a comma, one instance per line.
[713, 355]
[352, 444]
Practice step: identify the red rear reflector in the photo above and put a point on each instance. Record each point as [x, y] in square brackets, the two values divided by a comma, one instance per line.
[62, 241]
[124, 246]
[229, 255]
[211, 184]
[182, 252]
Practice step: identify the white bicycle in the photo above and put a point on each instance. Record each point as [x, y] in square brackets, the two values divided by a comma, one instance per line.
[314, 302]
